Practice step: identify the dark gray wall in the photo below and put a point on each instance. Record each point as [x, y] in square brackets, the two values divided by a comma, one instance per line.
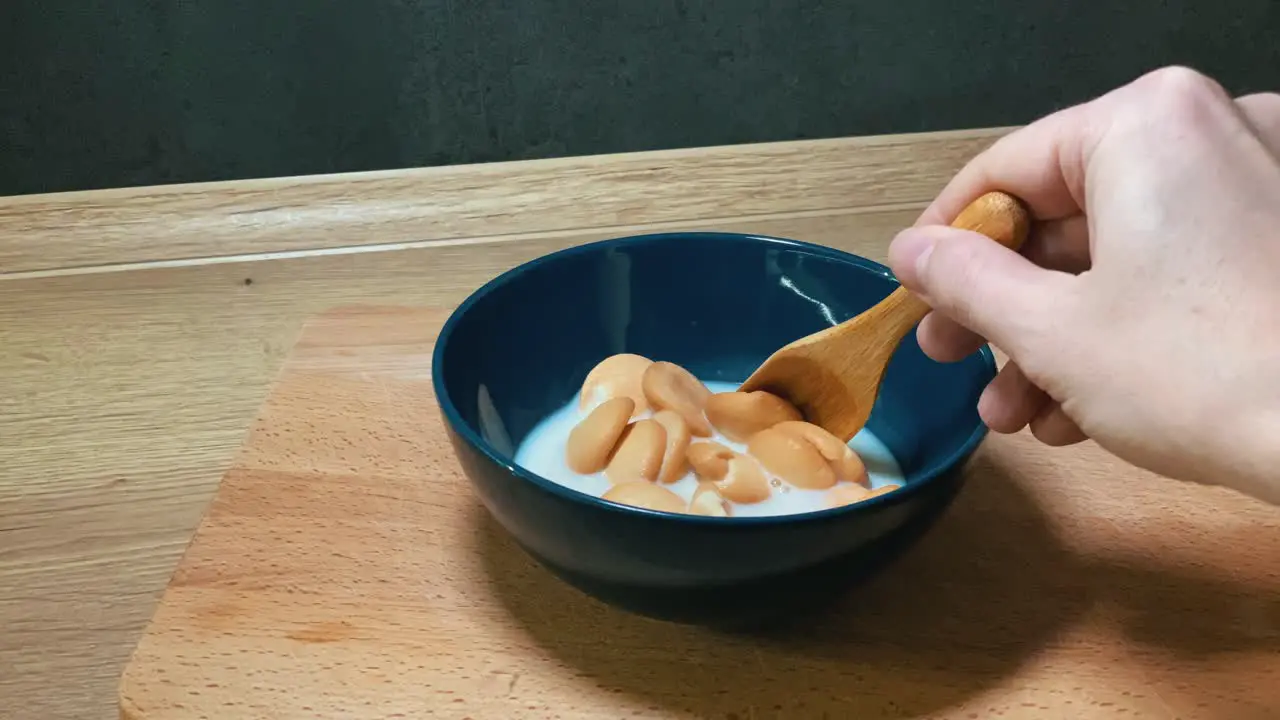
[98, 93]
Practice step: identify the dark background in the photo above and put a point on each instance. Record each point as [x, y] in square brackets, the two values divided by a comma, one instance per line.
[100, 93]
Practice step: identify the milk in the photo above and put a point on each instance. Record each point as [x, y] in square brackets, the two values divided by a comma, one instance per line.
[543, 452]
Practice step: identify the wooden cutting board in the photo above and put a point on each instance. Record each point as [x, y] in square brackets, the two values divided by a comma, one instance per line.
[345, 570]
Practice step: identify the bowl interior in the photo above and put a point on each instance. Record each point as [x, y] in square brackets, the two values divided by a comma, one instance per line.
[718, 304]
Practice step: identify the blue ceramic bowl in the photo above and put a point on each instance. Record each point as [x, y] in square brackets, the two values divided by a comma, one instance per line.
[718, 304]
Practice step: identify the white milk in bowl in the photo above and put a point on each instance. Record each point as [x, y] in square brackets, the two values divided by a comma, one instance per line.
[543, 452]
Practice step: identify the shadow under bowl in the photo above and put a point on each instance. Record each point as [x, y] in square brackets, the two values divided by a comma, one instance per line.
[718, 304]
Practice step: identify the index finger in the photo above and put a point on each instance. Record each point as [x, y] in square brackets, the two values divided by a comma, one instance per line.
[1042, 163]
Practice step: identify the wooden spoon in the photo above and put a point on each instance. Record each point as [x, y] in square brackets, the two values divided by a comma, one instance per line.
[833, 376]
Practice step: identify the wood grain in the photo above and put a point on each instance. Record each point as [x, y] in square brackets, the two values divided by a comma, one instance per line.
[140, 328]
[345, 570]
[125, 390]
[370, 209]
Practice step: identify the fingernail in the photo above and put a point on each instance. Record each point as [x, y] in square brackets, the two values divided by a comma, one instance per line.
[909, 254]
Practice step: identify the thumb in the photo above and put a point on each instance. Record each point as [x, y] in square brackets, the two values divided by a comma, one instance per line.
[977, 282]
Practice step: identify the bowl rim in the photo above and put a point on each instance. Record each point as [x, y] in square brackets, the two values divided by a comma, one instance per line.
[473, 438]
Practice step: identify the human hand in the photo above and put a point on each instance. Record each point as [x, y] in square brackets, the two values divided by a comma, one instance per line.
[1144, 311]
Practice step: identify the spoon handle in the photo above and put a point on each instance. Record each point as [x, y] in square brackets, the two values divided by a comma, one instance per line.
[1000, 216]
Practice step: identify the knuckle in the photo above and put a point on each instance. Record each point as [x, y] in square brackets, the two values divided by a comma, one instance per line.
[1263, 110]
[1179, 81]
[1181, 92]
[1265, 99]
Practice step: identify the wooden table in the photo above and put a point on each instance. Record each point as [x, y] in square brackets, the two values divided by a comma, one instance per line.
[140, 329]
